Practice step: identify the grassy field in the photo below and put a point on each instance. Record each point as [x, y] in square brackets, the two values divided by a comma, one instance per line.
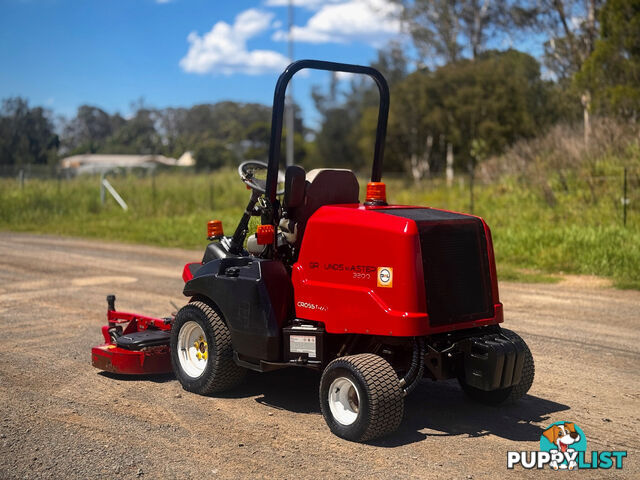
[568, 225]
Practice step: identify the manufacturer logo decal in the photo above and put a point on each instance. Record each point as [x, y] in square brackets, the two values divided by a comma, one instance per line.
[563, 446]
[385, 277]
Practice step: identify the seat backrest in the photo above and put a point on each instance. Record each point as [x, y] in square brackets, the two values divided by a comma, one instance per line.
[325, 186]
[330, 186]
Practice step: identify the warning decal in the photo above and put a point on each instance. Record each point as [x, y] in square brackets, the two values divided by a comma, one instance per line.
[303, 344]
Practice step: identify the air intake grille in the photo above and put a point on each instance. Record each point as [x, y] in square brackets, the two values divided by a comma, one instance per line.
[455, 265]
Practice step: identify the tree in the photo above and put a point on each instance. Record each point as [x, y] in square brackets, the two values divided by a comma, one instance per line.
[336, 142]
[350, 116]
[572, 29]
[26, 134]
[138, 135]
[89, 129]
[479, 106]
[214, 154]
[612, 71]
[446, 31]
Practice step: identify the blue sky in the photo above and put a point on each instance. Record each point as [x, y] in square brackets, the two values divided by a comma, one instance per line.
[65, 53]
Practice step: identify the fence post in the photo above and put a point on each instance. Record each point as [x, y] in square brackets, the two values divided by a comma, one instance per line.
[153, 190]
[114, 194]
[471, 175]
[625, 200]
[211, 195]
[449, 160]
[102, 194]
[21, 178]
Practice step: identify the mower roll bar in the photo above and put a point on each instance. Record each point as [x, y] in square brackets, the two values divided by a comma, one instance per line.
[278, 113]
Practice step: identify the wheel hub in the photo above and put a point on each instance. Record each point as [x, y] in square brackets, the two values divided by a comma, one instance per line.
[193, 350]
[344, 401]
[201, 348]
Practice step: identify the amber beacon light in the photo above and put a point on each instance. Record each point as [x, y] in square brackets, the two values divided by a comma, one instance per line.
[376, 193]
[214, 229]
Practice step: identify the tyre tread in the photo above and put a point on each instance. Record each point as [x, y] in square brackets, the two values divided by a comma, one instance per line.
[225, 374]
[382, 387]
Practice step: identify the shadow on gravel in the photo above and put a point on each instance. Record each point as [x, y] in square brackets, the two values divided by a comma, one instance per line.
[443, 407]
[440, 407]
[158, 378]
[292, 389]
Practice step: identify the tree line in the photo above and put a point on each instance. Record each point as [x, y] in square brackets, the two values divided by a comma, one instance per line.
[218, 134]
[461, 97]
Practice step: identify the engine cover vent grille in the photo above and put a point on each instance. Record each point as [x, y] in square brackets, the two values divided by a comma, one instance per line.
[455, 265]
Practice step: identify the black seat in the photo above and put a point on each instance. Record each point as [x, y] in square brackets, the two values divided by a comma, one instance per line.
[323, 186]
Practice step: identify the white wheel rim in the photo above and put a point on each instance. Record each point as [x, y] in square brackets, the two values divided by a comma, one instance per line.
[193, 351]
[344, 401]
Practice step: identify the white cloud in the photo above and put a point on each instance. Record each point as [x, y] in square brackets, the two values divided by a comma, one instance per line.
[224, 48]
[310, 4]
[368, 21]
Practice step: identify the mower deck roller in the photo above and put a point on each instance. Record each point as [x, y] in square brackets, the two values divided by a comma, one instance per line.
[375, 296]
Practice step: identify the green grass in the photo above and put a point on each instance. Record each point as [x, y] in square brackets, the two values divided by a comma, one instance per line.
[536, 237]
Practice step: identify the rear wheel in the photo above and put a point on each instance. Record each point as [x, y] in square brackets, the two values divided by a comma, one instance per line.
[201, 351]
[510, 394]
[360, 397]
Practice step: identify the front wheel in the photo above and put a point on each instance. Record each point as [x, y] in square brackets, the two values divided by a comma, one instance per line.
[510, 394]
[360, 397]
[201, 351]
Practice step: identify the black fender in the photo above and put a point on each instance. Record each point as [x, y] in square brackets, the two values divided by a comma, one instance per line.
[255, 298]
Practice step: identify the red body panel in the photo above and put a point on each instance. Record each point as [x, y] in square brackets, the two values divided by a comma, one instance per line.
[186, 271]
[114, 359]
[336, 279]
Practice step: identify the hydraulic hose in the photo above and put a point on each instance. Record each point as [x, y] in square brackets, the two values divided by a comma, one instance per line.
[418, 376]
[414, 364]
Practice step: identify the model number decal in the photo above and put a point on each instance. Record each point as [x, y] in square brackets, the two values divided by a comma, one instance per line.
[312, 306]
[361, 276]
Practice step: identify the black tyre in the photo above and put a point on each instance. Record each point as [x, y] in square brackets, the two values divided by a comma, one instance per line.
[510, 394]
[201, 351]
[360, 397]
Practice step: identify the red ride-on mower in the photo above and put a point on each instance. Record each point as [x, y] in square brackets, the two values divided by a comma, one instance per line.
[375, 296]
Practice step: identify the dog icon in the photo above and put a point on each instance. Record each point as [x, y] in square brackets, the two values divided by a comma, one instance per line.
[562, 435]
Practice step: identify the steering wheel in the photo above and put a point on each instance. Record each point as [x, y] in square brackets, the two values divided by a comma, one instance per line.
[254, 174]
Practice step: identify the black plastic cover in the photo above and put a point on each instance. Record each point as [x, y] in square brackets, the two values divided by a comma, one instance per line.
[294, 185]
[143, 339]
[254, 296]
[492, 361]
[215, 251]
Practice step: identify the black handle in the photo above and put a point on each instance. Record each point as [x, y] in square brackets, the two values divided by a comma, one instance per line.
[111, 303]
[278, 112]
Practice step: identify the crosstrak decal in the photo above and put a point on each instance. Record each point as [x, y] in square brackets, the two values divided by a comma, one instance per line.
[312, 306]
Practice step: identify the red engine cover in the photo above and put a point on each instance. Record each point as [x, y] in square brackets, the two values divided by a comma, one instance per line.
[360, 271]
